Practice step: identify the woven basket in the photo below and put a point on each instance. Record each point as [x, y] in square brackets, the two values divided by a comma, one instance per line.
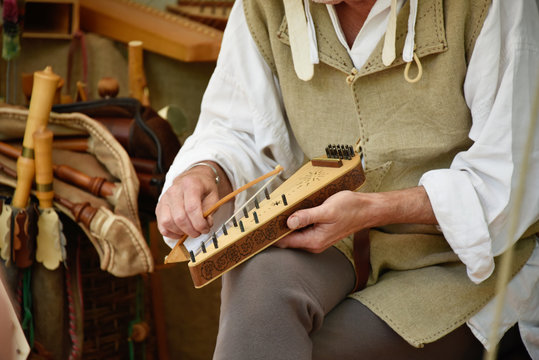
[110, 306]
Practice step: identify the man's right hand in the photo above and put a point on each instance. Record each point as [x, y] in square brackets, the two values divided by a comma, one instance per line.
[180, 209]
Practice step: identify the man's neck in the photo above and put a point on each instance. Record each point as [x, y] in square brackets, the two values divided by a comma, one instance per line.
[352, 16]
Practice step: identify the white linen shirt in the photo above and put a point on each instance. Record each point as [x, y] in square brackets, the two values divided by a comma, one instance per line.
[243, 127]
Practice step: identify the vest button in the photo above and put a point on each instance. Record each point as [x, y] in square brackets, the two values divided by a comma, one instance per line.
[350, 78]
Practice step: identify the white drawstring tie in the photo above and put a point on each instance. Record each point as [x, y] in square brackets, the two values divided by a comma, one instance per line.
[304, 45]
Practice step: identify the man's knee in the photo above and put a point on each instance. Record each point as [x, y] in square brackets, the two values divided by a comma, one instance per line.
[273, 271]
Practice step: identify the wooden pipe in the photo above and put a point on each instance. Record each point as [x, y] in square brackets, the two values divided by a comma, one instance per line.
[43, 92]
[9, 151]
[82, 94]
[146, 166]
[138, 87]
[95, 185]
[50, 242]
[43, 157]
[78, 144]
[8, 171]
[27, 81]
[23, 223]
[82, 212]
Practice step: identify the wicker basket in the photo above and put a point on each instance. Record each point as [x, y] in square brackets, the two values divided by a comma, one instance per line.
[110, 306]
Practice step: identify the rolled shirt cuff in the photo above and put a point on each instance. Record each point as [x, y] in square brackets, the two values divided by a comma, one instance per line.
[460, 216]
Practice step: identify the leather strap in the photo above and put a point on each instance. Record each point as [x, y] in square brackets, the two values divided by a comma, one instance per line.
[362, 258]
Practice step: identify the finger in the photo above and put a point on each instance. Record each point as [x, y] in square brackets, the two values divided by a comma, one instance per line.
[210, 200]
[183, 222]
[195, 216]
[305, 239]
[306, 217]
[170, 234]
[209, 218]
[165, 221]
[174, 201]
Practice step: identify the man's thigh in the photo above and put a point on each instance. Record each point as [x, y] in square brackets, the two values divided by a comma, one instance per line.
[352, 331]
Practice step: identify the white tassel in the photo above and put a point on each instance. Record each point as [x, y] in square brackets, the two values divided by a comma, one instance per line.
[388, 52]
[49, 250]
[313, 44]
[409, 44]
[5, 232]
[298, 33]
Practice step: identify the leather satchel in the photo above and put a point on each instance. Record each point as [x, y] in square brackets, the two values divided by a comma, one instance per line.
[148, 139]
[111, 222]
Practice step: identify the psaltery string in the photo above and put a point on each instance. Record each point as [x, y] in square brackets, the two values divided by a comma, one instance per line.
[240, 209]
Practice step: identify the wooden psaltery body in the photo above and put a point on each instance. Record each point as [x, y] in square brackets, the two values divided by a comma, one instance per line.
[310, 186]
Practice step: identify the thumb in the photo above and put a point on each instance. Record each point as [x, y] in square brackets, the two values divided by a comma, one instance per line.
[302, 218]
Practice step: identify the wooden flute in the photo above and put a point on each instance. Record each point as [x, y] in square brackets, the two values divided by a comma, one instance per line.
[94, 185]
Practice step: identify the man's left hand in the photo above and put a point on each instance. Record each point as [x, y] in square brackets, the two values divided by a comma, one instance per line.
[347, 212]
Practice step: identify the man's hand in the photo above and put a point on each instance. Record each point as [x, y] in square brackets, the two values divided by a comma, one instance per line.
[180, 209]
[347, 212]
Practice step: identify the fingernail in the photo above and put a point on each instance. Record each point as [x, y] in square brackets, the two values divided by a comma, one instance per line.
[293, 222]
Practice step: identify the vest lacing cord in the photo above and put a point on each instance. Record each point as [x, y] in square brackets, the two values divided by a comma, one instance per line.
[419, 70]
[408, 53]
[305, 48]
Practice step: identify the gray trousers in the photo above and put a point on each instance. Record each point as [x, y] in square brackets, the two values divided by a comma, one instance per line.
[290, 304]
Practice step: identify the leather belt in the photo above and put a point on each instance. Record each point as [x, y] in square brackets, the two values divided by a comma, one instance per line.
[362, 258]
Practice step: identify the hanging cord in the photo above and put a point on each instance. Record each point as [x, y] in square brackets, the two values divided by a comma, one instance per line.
[11, 80]
[408, 53]
[78, 39]
[419, 70]
[139, 315]
[11, 46]
[507, 256]
[15, 82]
[75, 352]
[8, 81]
[24, 294]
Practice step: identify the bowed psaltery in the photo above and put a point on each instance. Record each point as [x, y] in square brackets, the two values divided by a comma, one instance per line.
[262, 220]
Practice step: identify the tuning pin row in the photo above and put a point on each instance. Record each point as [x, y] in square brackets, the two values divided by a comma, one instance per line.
[340, 152]
[235, 223]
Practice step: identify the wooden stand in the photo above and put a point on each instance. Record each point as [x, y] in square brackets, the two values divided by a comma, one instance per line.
[173, 36]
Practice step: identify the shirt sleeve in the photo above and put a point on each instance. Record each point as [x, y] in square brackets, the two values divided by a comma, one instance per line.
[242, 125]
[479, 197]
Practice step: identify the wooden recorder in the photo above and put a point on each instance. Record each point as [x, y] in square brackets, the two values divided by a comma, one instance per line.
[262, 220]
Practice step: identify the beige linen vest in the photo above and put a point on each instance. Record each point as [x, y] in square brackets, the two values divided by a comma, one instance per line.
[417, 284]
